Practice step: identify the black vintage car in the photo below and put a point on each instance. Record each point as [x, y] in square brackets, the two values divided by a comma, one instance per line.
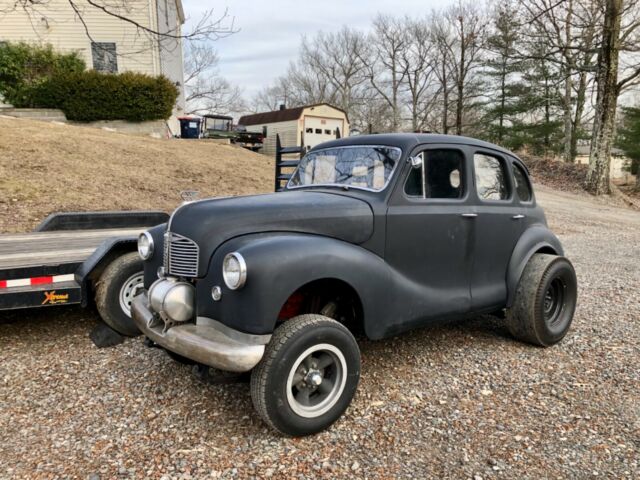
[373, 235]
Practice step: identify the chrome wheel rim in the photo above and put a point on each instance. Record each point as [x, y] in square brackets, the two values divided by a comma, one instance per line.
[316, 380]
[130, 288]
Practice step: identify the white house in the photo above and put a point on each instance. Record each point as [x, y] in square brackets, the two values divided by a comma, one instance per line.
[106, 43]
[619, 166]
[308, 125]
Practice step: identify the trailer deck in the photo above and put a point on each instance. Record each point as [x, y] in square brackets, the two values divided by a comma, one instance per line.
[50, 266]
[54, 248]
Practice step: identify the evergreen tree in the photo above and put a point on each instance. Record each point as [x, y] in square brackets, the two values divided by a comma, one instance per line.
[629, 139]
[502, 76]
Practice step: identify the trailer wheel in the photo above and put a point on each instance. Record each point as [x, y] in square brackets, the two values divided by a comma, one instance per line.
[119, 283]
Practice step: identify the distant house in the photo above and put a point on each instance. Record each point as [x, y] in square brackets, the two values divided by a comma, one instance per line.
[309, 125]
[112, 45]
[619, 168]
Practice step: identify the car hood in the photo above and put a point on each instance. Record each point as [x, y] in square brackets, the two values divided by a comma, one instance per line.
[210, 223]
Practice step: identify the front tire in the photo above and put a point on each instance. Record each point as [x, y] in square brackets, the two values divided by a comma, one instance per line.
[119, 283]
[308, 375]
[545, 301]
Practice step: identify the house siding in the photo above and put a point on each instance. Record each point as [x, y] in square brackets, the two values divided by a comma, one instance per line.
[289, 135]
[57, 24]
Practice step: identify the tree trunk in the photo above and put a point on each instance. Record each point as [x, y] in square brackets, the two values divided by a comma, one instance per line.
[568, 86]
[581, 97]
[503, 99]
[445, 100]
[568, 121]
[598, 181]
[461, 78]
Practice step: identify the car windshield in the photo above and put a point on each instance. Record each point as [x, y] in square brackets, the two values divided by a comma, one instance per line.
[367, 167]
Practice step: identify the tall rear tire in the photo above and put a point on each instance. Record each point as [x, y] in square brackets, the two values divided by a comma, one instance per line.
[115, 289]
[308, 375]
[545, 301]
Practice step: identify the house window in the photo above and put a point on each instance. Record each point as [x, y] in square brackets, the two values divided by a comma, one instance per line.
[318, 130]
[104, 57]
[309, 130]
[327, 132]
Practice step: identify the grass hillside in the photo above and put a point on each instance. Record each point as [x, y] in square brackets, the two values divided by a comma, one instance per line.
[46, 167]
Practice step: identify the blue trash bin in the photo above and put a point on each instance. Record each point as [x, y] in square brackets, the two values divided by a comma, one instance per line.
[190, 127]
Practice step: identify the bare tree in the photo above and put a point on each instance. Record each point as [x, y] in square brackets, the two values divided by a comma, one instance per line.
[620, 33]
[338, 59]
[384, 66]
[468, 27]
[443, 41]
[418, 61]
[568, 27]
[207, 91]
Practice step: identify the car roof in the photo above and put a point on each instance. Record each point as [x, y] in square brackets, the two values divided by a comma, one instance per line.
[406, 141]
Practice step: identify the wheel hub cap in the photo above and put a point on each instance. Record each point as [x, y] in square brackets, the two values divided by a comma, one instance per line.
[314, 378]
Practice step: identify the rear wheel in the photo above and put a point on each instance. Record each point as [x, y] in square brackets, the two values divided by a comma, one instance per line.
[545, 301]
[120, 282]
[308, 375]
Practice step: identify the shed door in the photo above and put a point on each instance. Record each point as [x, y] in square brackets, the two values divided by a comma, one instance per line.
[320, 129]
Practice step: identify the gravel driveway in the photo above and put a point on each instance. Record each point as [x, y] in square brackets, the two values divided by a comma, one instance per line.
[461, 401]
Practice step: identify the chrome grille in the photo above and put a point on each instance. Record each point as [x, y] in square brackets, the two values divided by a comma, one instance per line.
[180, 255]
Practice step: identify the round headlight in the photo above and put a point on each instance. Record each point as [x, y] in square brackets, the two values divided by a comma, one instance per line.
[234, 270]
[145, 245]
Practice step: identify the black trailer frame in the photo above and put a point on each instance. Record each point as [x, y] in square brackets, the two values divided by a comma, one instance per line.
[56, 263]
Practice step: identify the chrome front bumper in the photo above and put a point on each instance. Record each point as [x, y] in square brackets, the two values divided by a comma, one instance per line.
[207, 341]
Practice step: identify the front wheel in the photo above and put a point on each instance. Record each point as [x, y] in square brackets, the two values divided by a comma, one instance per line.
[308, 375]
[545, 301]
[120, 282]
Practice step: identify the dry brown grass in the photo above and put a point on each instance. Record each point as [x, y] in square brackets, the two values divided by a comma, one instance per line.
[47, 167]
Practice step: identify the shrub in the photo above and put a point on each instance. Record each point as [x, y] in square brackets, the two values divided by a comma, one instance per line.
[24, 66]
[90, 95]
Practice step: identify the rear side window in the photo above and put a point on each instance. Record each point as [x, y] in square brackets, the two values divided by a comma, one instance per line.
[523, 189]
[440, 176]
[490, 177]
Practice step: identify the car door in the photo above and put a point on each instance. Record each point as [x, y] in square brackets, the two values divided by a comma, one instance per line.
[498, 226]
[428, 236]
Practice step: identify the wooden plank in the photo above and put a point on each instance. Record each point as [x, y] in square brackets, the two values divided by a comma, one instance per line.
[51, 248]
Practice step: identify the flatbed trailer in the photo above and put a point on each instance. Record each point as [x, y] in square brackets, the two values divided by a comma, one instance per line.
[62, 261]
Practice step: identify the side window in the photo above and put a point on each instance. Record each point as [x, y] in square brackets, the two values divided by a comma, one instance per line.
[523, 189]
[442, 170]
[104, 57]
[490, 177]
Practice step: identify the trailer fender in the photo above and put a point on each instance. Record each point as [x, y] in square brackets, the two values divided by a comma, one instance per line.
[93, 266]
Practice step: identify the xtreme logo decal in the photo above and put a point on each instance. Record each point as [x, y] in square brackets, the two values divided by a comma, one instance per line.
[51, 298]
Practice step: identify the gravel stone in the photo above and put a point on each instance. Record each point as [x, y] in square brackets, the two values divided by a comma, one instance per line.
[70, 410]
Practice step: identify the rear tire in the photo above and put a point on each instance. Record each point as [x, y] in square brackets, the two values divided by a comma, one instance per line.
[308, 375]
[118, 284]
[545, 301]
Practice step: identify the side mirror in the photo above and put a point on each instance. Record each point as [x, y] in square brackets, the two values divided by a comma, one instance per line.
[416, 162]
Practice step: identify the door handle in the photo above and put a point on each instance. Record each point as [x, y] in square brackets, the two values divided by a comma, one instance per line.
[518, 217]
[469, 215]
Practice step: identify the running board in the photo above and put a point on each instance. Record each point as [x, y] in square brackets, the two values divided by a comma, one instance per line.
[63, 293]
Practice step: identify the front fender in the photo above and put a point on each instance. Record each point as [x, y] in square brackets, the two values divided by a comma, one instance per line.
[279, 264]
[535, 238]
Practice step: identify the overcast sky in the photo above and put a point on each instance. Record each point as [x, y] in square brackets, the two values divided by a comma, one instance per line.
[270, 30]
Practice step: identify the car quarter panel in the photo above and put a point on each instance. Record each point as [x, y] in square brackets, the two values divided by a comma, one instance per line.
[535, 238]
